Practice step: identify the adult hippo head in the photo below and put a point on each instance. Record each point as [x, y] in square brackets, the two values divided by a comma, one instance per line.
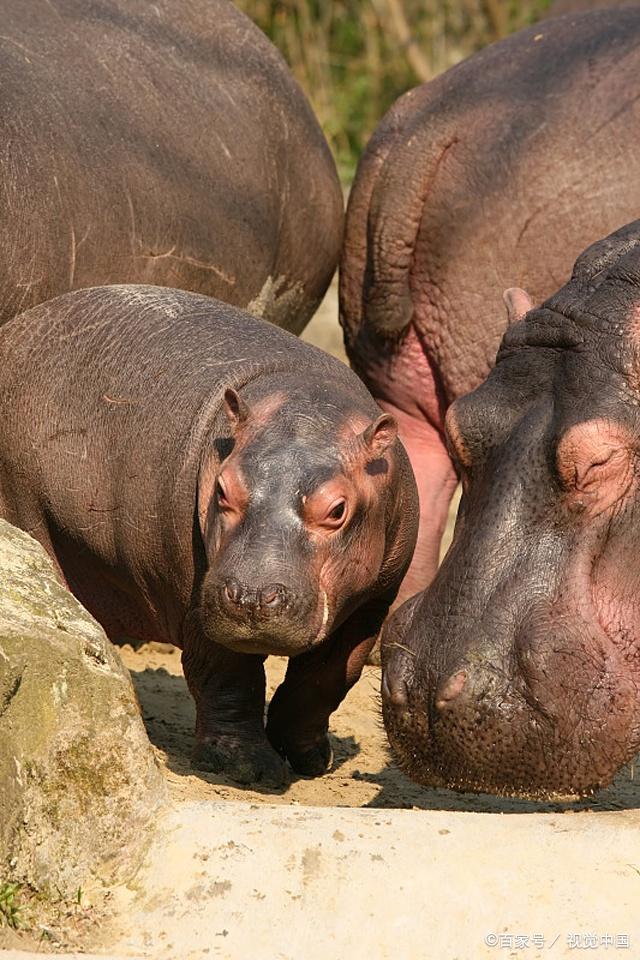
[518, 672]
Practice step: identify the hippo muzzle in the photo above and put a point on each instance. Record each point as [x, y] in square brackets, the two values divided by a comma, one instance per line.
[266, 612]
[547, 710]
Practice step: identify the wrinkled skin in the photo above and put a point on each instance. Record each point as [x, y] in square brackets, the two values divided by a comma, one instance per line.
[162, 143]
[518, 671]
[208, 480]
[497, 173]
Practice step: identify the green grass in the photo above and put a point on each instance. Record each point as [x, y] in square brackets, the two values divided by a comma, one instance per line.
[9, 905]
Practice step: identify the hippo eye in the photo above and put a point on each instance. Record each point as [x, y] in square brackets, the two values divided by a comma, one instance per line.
[221, 496]
[336, 515]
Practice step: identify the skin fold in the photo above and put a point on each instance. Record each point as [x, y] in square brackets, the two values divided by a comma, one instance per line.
[203, 478]
[163, 143]
[495, 174]
[518, 671]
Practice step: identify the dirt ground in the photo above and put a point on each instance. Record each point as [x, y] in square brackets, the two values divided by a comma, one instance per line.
[363, 773]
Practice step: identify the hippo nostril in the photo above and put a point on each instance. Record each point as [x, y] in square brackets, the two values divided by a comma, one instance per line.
[272, 596]
[396, 693]
[449, 689]
[232, 591]
[400, 695]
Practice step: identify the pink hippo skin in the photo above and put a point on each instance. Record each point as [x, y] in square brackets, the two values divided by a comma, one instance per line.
[496, 174]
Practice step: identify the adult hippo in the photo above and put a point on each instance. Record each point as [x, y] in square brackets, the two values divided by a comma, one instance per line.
[203, 478]
[518, 671]
[498, 172]
[162, 143]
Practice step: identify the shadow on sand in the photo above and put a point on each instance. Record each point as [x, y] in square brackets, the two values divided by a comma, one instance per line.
[169, 716]
[623, 794]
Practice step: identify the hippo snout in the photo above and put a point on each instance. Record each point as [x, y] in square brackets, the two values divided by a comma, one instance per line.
[240, 600]
[260, 616]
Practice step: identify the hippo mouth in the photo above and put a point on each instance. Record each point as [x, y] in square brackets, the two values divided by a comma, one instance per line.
[287, 635]
[532, 733]
[516, 752]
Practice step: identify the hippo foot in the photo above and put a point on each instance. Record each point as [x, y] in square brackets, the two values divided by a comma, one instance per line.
[314, 762]
[244, 763]
[307, 763]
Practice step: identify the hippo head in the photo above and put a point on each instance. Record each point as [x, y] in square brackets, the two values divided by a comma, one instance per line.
[518, 671]
[294, 521]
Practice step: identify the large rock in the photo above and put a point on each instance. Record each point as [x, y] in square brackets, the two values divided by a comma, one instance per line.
[78, 781]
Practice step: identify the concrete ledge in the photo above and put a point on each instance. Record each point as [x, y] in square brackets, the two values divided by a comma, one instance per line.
[235, 881]
[21, 955]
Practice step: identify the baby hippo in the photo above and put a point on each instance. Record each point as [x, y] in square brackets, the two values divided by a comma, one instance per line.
[203, 478]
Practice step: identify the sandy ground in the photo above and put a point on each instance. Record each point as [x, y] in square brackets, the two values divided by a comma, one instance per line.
[363, 773]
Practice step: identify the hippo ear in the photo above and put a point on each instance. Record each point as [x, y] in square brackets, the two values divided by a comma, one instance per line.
[518, 303]
[595, 464]
[378, 437]
[237, 410]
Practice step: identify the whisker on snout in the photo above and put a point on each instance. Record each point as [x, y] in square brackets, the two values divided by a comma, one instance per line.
[401, 646]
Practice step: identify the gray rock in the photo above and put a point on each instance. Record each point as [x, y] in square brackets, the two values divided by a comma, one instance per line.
[79, 785]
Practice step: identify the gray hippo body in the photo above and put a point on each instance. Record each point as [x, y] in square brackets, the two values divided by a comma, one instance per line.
[518, 670]
[163, 143]
[203, 478]
[497, 173]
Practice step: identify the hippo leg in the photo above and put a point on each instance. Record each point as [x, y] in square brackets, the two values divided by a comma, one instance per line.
[229, 693]
[315, 684]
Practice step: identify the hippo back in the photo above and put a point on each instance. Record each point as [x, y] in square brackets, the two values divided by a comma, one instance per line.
[495, 174]
[162, 143]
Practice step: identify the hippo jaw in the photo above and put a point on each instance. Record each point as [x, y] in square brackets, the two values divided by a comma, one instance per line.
[511, 727]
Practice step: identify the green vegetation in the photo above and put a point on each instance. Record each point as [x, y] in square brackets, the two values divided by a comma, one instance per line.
[50, 915]
[9, 905]
[355, 57]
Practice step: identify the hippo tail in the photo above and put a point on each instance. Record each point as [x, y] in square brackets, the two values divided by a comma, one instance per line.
[384, 213]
